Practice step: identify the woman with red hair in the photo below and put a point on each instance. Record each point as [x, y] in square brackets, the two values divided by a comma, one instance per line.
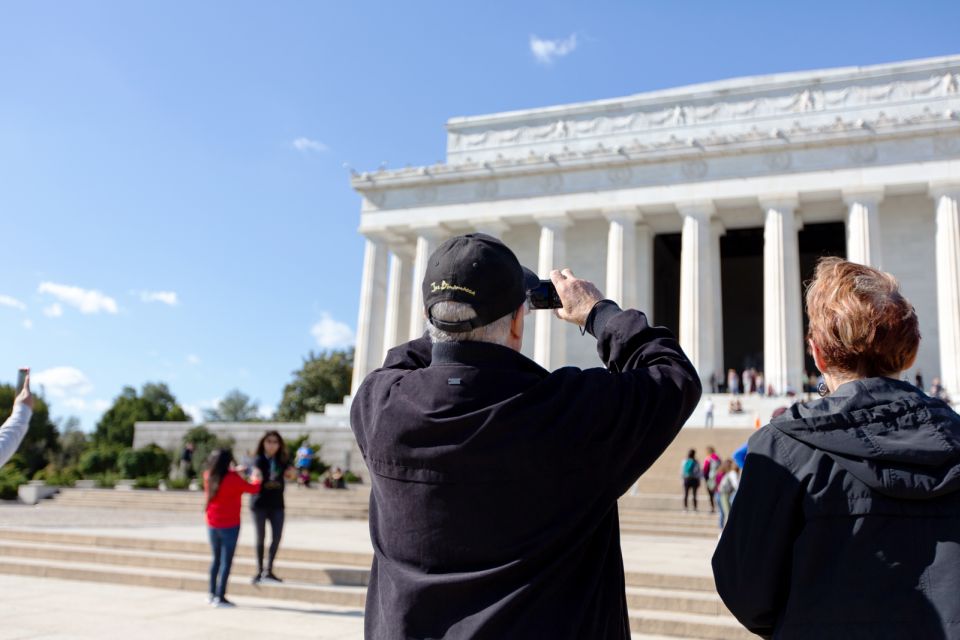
[847, 517]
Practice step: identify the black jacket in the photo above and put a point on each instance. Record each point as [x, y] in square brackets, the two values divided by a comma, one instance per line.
[847, 520]
[493, 511]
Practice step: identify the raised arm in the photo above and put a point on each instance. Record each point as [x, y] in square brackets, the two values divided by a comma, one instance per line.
[16, 426]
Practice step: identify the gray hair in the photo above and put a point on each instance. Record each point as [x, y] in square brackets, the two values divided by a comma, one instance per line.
[497, 332]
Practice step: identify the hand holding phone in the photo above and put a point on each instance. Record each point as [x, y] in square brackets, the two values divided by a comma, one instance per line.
[23, 388]
[544, 296]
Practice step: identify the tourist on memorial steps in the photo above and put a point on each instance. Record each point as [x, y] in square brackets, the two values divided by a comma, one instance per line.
[224, 487]
[15, 427]
[272, 461]
[481, 523]
[846, 523]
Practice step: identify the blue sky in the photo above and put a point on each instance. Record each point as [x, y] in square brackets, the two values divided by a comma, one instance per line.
[172, 193]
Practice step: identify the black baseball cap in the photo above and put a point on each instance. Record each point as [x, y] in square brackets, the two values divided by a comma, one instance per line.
[478, 270]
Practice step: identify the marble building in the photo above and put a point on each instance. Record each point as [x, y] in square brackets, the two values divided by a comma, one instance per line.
[706, 206]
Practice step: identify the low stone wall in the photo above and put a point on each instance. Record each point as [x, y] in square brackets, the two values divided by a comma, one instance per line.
[337, 444]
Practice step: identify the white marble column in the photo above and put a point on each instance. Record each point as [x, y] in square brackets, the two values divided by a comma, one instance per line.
[399, 293]
[947, 197]
[549, 342]
[621, 256]
[717, 230]
[863, 226]
[697, 314]
[782, 305]
[427, 241]
[644, 270]
[370, 321]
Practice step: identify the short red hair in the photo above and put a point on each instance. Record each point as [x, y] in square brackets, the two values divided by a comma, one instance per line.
[860, 321]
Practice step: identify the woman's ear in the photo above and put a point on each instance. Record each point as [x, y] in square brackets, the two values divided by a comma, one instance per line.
[817, 355]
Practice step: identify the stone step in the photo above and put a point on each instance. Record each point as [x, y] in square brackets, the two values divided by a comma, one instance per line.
[344, 596]
[286, 554]
[687, 625]
[675, 600]
[670, 581]
[309, 573]
[692, 601]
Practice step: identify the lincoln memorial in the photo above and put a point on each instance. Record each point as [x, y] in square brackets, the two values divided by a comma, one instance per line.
[705, 206]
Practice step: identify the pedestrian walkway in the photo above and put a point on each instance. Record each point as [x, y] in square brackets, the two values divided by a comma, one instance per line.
[51, 609]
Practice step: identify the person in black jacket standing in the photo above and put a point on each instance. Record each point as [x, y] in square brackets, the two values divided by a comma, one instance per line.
[847, 518]
[482, 526]
[272, 459]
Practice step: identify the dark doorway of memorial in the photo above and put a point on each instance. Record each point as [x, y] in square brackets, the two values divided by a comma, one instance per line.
[815, 242]
[666, 281]
[741, 268]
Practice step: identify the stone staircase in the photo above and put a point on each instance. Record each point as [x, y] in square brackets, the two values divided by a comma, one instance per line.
[660, 605]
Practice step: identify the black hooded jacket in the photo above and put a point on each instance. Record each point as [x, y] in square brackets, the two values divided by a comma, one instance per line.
[493, 510]
[847, 520]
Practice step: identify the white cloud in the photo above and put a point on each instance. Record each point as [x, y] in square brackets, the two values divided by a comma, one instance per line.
[266, 413]
[166, 297]
[27, 323]
[88, 301]
[193, 359]
[332, 334]
[13, 303]
[53, 311]
[62, 382]
[546, 51]
[306, 144]
[83, 405]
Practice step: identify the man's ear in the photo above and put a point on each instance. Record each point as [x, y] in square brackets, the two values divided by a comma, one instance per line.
[516, 323]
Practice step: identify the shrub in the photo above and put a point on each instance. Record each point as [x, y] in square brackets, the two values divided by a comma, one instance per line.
[350, 476]
[178, 484]
[106, 480]
[57, 477]
[98, 461]
[150, 460]
[146, 482]
[10, 479]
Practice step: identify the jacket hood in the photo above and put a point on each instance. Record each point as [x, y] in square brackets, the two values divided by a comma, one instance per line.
[886, 433]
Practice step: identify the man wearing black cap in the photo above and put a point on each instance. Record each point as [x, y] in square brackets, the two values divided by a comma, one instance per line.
[482, 525]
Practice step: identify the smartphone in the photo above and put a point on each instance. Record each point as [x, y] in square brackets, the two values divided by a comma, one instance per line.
[544, 296]
[21, 379]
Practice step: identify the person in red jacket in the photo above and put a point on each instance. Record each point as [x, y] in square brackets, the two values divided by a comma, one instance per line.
[224, 487]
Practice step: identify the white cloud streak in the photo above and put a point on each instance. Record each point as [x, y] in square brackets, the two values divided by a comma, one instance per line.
[62, 382]
[332, 334]
[13, 303]
[166, 297]
[546, 51]
[306, 144]
[88, 301]
[53, 311]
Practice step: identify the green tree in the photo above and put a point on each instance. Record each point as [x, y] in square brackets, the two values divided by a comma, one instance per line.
[39, 445]
[323, 379]
[154, 404]
[72, 443]
[235, 407]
